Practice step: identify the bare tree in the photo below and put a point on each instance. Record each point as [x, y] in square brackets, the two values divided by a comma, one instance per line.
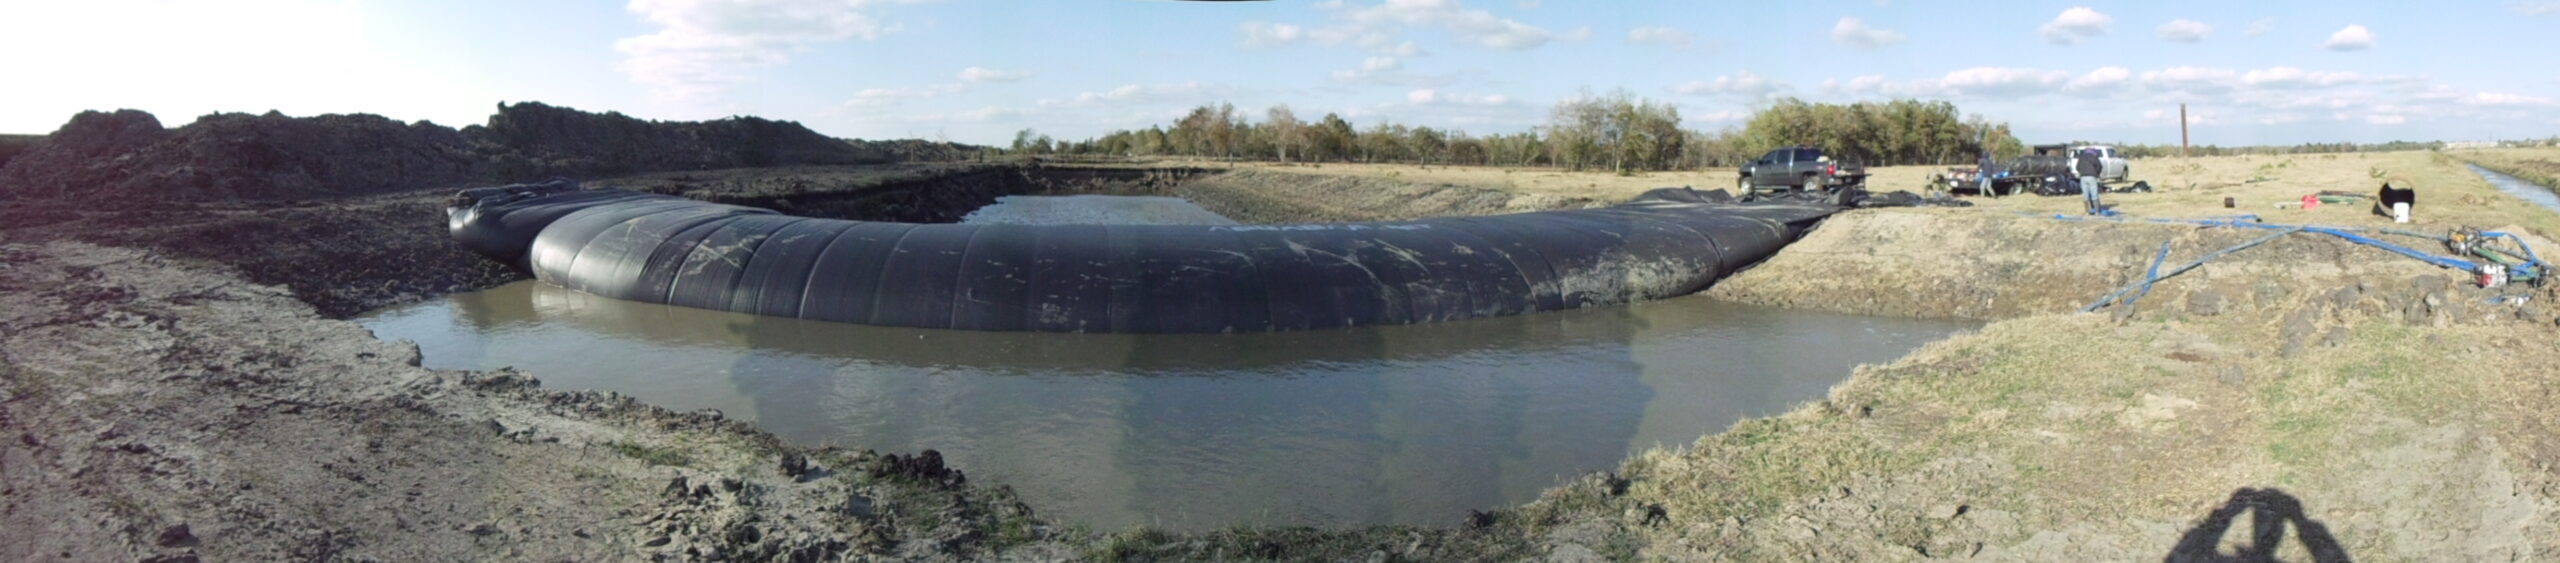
[1285, 130]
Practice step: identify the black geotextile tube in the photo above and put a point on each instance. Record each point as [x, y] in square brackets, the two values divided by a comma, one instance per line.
[1115, 278]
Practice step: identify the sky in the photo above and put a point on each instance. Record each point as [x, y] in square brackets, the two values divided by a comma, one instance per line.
[977, 71]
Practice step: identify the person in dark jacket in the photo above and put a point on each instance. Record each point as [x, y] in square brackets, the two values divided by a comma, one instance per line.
[2088, 165]
[1982, 175]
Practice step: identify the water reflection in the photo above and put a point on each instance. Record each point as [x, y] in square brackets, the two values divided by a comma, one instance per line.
[1403, 424]
[2521, 188]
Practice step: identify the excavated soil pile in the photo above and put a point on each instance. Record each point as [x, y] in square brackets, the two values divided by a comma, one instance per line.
[128, 158]
[13, 145]
[540, 140]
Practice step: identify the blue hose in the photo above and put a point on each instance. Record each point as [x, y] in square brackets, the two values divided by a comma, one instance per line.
[2199, 261]
[2534, 266]
[2150, 277]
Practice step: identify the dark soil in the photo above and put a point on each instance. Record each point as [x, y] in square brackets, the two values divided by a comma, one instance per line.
[126, 157]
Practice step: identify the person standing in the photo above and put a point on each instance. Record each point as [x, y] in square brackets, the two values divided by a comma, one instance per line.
[2088, 165]
[1982, 175]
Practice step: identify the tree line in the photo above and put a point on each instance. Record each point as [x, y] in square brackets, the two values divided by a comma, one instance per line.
[1615, 132]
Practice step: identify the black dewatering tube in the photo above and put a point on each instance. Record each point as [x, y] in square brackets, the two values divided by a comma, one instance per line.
[1115, 278]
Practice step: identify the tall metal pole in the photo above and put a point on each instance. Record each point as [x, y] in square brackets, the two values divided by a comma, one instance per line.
[2182, 130]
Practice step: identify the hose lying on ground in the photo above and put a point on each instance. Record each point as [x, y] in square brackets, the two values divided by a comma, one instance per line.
[2529, 267]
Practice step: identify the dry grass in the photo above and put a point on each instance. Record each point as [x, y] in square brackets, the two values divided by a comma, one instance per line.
[2164, 420]
[2268, 186]
[2539, 165]
[2078, 437]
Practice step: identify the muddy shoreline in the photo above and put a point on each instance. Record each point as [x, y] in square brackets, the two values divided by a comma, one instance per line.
[181, 383]
[124, 321]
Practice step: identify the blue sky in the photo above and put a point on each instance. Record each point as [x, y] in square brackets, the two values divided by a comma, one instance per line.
[978, 70]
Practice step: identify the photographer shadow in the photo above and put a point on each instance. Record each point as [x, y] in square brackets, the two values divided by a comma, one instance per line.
[2269, 511]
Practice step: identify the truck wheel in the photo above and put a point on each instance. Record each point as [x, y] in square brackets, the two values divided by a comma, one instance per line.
[1812, 184]
[1743, 185]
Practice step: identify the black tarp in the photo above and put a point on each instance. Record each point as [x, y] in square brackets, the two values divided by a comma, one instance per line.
[1116, 278]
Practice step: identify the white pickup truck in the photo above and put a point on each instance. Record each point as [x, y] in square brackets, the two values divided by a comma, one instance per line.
[2113, 166]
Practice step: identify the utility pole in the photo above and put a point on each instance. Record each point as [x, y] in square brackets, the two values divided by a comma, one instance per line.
[2182, 130]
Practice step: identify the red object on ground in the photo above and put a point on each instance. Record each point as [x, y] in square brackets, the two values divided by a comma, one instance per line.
[2310, 201]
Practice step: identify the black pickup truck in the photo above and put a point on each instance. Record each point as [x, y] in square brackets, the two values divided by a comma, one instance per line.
[1803, 169]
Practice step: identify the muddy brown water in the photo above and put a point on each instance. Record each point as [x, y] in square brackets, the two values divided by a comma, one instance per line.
[1409, 424]
[1406, 424]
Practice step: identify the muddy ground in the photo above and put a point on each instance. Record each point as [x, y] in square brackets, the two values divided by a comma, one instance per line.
[181, 382]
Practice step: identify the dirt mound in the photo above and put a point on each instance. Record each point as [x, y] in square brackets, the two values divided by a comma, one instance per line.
[127, 157]
[545, 140]
[13, 145]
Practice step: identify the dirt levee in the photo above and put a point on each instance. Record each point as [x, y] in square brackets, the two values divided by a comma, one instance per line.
[1974, 265]
[1263, 196]
[127, 157]
[542, 140]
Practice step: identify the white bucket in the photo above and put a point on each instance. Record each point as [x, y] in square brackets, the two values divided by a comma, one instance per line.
[2400, 212]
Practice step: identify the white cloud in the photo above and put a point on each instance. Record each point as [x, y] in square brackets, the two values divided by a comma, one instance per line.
[2191, 79]
[2075, 24]
[2184, 31]
[2506, 100]
[983, 74]
[1132, 93]
[2350, 38]
[1662, 36]
[2379, 119]
[1428, 96]
[2260, 27]
[2198, 117]
[1473, 26]
[1266, 34]
[1371, 28]
[2290, 77]
[2437, 93]
[1743, 85]
[702, 47]
[1855, 33]
[2538, 7]
[2002, 82]
[1390, 71]
[1722, 116]
[2104, 77]
[990, 113]
[1860, 85]
[882, 97]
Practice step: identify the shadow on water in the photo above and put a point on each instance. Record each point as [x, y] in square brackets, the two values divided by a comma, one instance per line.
[2270, 511]
[1397, 424]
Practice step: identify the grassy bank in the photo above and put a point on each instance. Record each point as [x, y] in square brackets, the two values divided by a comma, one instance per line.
[2540, 165]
